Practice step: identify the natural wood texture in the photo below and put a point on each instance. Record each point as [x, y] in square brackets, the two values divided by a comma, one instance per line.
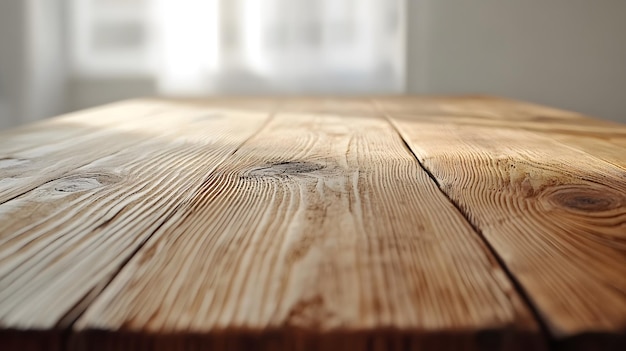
[603, 139]
[321, 232]
[554, 213]
[40, 153]
[395, 223]
[62, 241]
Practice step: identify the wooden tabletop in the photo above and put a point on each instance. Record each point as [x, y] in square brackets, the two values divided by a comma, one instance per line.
[398, 223]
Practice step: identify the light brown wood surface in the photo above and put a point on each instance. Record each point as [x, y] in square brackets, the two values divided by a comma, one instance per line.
[62, 241]
[397, 223]
[553, 209]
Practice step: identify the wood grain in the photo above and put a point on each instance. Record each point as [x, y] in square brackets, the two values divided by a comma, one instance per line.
[36, 154]
[603, 139]
[553, 212]
[396, 223]
[321, 232]
[61, 242]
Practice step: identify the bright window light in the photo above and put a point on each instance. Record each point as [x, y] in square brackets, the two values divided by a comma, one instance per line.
[244, 46]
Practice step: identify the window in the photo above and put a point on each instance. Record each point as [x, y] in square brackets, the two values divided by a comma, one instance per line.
[111, 37]
[205, 46]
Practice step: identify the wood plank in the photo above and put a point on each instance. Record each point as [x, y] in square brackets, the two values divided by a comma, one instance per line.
[61, 242]
[36, 154]
[61, 128]
[321, 232]
[556, 216]
[603, 139]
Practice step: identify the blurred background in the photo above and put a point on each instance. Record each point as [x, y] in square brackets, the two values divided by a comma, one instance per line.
[58, 56]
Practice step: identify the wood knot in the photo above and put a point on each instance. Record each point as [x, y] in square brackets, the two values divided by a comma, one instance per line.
[72, 185]
[586, 199]
[285, 169]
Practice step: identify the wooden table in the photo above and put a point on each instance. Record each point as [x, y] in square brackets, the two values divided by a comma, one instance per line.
[397, 223]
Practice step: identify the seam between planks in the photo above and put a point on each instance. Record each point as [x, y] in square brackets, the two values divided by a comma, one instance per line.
[66, 322]
[543, 328]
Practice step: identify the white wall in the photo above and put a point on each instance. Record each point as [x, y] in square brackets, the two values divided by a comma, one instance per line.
[46, 59]
[32, 61]
[12, 41]
[565, 53]
[85, 93]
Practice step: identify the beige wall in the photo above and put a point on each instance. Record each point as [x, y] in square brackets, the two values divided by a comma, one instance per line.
[566, 53]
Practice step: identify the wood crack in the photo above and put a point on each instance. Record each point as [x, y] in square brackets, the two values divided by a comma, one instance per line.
[70, 318]
[509, 275]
